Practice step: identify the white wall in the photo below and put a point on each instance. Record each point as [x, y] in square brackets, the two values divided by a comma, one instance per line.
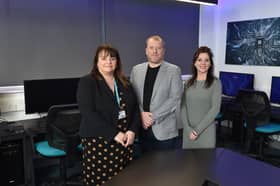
[213, 28]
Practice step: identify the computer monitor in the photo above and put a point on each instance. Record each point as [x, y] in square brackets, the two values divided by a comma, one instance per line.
[275, 90]
[40, 95]
[232, 82]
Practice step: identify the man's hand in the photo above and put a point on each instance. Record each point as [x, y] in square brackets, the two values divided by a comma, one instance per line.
[147, 119]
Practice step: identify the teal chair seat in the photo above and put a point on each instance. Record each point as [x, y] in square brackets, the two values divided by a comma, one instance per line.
[62, 140]
[45, 149]
[268, 128]
[256, 110]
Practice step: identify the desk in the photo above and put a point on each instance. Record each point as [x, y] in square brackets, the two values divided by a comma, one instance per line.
[234, 169]
[16, 144]
[191, 167]
[232, 111]
[16, 161]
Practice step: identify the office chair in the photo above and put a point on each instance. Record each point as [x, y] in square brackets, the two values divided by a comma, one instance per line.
[256, 114]
[63, 141]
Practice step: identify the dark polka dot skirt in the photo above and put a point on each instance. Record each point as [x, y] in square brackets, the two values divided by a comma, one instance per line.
[102, 159]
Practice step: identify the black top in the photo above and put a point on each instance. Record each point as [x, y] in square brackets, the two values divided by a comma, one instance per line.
[99, 108]
[149, 86]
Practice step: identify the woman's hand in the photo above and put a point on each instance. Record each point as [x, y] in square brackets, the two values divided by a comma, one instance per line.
[129, 138]
[121, 138]
[193, 135]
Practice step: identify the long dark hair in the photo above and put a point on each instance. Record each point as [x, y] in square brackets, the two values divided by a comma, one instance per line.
[210, 74]
[112, 52]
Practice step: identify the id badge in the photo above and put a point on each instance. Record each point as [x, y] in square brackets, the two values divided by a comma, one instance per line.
[122, 114]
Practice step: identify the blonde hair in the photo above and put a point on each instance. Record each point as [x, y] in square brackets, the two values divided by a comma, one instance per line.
[156, 38]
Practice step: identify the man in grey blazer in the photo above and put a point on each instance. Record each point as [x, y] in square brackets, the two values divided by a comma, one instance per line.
[158, 86]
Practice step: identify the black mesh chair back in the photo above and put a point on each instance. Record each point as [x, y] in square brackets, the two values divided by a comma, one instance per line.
[255, 107]
[256, 112]
[63, 122]
[63, 141]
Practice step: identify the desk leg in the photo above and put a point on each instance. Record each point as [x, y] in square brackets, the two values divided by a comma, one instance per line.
[28, 161]
[237, 130]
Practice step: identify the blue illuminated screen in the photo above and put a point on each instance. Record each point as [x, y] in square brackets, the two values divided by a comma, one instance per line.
[232, 82]
[275, 90]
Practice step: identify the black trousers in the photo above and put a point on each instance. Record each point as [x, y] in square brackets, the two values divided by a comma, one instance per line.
[148, 142]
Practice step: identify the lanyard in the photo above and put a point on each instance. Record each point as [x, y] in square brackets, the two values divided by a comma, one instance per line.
[117, 93]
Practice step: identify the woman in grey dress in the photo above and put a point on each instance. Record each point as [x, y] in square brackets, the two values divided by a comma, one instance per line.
[201, 102]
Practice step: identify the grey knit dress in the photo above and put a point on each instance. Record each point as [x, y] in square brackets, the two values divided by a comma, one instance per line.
[199, 108]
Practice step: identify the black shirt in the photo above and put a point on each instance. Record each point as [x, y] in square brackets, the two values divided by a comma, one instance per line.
[150, 78]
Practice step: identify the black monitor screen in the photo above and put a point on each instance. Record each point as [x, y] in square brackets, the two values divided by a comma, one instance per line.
[275, 90]
[40, 95]
[232, 82]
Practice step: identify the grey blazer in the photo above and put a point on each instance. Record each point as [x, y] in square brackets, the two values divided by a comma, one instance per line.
[166, 95]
